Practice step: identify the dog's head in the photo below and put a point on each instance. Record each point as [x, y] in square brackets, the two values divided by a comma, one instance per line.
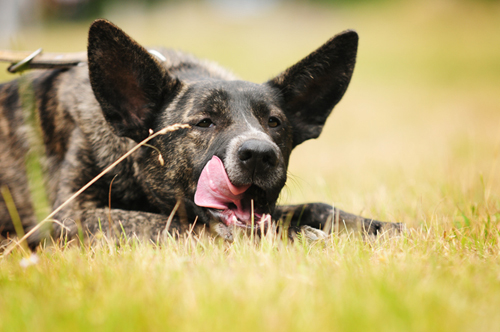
[233, 160]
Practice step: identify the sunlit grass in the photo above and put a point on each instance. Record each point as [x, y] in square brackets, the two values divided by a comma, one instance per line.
[416, 139]
[424, 280]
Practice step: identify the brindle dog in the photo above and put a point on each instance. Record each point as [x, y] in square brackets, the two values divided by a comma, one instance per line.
[234, 155]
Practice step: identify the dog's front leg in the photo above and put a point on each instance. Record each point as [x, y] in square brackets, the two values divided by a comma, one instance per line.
[117, 222]
[145, 225]
[319, 215]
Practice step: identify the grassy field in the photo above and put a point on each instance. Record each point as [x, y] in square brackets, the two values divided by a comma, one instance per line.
[416, 139]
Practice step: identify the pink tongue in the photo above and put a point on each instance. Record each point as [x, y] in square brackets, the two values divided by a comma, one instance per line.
[215, 190]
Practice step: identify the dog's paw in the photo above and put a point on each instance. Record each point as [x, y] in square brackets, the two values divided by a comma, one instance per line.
[394, 228]
[312, 234]
[218, 229]
[379, 228]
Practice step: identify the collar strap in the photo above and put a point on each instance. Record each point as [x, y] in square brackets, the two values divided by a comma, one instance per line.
[21, 60]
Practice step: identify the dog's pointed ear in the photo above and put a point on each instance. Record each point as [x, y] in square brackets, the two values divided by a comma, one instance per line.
[128, 82]
[312, 87]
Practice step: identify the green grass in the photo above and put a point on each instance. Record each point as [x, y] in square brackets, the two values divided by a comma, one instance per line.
[416, 139]
[421, 281]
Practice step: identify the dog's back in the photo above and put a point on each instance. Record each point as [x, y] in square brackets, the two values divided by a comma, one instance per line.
[14, 151]
[33, 125]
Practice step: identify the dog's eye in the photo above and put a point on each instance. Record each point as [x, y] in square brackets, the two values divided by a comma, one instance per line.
[205, 123]
[274, 122]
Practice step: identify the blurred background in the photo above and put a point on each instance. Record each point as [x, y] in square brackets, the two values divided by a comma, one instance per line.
[416, 137]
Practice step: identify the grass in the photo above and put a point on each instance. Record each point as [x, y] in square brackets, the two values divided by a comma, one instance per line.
[422, 281]
[415, 139]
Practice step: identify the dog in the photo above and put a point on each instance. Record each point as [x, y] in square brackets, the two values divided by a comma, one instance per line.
[224, 168]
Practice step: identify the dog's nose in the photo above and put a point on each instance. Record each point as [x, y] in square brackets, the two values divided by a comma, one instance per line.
[257, 155]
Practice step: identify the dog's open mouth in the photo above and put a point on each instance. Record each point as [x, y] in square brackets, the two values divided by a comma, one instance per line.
[232, 204]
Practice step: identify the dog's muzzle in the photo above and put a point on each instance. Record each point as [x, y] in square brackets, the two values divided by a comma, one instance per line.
[257, 156]
[226, 201]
